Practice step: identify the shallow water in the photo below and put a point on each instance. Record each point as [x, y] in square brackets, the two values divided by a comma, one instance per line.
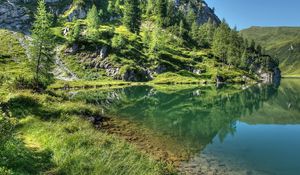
[226, 130]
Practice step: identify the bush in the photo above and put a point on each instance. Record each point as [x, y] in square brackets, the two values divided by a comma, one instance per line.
[29, 83]
[23, 83]
[119, 42]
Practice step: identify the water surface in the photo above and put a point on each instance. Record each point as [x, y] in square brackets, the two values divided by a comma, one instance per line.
[227, 130]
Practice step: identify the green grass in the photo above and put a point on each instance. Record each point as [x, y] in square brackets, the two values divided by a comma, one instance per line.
[13, 60]
[278, 41]
[174, 78]
[83, 84]
[54, 137]
[80, 149]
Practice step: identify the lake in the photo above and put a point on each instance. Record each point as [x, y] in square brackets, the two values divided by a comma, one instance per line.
[224, 130]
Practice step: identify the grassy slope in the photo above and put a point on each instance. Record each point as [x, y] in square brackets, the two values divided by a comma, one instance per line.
[48, 137]
[278, 41]
[134, 54]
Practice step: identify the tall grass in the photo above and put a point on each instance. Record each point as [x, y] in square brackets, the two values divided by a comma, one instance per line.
[80, 149]
[53, 137]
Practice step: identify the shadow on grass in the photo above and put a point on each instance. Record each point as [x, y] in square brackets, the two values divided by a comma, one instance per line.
[20, 159]
[22, 106]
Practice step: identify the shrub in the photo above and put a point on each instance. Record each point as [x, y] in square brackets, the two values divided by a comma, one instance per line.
[23, 83]
[29, 83]
[119, 42]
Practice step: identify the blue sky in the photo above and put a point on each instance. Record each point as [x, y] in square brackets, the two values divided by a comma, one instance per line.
[246, 13]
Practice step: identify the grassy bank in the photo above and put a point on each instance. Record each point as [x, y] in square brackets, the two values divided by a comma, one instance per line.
[48, 139]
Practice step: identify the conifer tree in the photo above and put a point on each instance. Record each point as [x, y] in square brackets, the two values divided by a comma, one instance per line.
[191, 17]
[234, 48]
[161, 8]
[244, 60]
[194, 32]
[171, 17]
[93, 23]
[221, 41]
[42, 47]
[206, 34]
[132, 16]
[73, 35]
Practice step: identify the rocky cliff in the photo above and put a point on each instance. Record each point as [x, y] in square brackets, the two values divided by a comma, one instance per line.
[17, 15]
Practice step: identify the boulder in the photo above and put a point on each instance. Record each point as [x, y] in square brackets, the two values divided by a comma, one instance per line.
[136, 75]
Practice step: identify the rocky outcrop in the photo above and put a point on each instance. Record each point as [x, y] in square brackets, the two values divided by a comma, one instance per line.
[14, 17]
[77, 13]
[269, 76]
[203, 12]
[136, 75]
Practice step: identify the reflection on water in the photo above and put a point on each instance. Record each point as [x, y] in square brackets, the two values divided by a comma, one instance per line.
[227, 130]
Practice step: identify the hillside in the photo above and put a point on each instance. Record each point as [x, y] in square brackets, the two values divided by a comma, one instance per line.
[52, 49]
[281, 42]
[176, 36]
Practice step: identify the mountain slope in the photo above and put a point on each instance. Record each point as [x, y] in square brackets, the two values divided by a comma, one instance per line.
[184, 39]
[281, 42]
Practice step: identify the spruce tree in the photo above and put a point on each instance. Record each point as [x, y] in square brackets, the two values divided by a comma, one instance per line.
[93, 23]
[42, 47]
[221, 41]
[194, 32]
[171, 17]
[244, 60]
[73, 35]
[206, 34]
[161, 9]
[132, 16]
[191, 16]
[234, 48]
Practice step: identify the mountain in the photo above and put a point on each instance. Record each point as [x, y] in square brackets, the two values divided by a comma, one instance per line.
[281, 42]
[164, 41]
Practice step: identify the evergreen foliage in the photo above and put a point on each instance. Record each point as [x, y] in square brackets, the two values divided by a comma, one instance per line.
[42, 47]
[132, 15]
[93, 23]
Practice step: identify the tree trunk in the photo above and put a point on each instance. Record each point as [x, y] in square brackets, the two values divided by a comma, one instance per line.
[37, 71]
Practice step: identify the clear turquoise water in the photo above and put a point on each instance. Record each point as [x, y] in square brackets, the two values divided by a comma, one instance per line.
[226, 130]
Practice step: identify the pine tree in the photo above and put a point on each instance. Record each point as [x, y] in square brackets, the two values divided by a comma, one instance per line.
[42, 47]
[73, 35]
[234, 48]
[150, 7]
[244, 60]
[171, 17]
[93, 23]
[252, 46]
[161, 8]
[132, 16]
[259, 49]
[155, 44]
[194, 32]
[206, 34]
[191, 17]
[221, 41]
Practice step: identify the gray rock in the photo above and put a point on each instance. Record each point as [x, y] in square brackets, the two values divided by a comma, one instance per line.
[14, 17]
[202, 10]
[103, 52]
